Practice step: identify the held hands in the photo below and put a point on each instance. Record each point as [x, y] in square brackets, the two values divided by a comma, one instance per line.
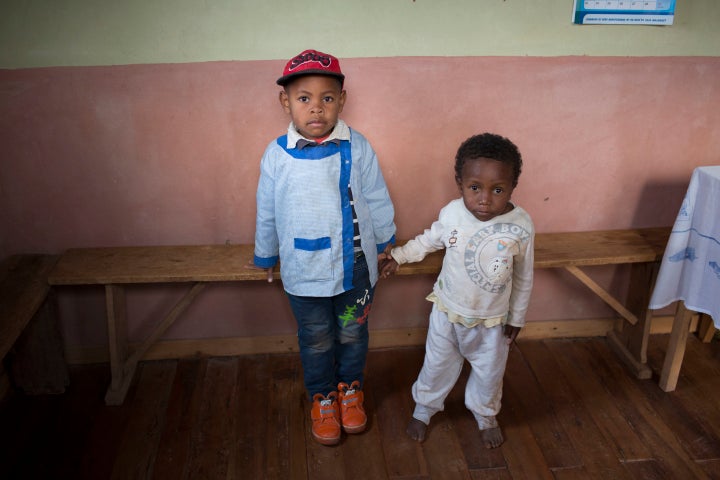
[386, 264]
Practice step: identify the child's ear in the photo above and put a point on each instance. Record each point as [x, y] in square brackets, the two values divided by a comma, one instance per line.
[458, 182]
[341, 100]
[284, 100]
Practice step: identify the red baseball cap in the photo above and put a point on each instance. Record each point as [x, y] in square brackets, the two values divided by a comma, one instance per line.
[311, 62]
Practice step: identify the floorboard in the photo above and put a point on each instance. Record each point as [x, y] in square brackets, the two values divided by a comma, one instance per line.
[596, 453]
[172, 458]
[538, 413]
[570, 411]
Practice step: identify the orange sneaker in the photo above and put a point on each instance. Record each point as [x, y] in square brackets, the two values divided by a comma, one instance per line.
[325, 419]
[352, 412]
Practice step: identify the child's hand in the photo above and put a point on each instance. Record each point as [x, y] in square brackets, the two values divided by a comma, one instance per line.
[388, 266]
[251, 266]
[511, 333]
[385, 254]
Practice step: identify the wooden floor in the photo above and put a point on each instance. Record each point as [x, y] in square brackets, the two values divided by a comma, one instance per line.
[570, 411]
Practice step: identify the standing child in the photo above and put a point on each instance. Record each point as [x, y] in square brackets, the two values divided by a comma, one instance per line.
[482, 293]
[324, 211]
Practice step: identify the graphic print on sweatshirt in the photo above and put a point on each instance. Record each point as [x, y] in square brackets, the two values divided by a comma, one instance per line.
[489, 255]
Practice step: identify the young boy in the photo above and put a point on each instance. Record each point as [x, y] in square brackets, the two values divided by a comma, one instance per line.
[324, 211]
[482, 293]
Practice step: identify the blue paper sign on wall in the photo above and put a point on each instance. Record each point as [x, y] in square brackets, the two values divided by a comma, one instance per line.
[623, 12]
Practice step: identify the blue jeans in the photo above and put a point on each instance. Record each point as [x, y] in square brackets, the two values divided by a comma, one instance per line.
[333, 333]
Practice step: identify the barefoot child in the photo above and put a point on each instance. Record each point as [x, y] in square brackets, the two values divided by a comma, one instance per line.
[482, 293]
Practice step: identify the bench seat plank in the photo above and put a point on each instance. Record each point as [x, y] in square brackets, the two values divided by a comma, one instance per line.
[155, 264]
[220, 263]
[605, 247]
[553, 250]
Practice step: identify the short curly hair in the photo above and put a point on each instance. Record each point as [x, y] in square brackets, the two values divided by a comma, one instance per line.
[489, 145]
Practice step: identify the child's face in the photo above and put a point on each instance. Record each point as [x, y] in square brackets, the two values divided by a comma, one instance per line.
[314, 103]
[486, 187]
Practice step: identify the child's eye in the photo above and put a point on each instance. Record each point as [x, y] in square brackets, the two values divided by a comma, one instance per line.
[328, 99]
[303, 99]
[474, 188]
[499, 190]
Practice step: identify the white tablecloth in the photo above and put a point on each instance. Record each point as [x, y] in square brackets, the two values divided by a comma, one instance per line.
[690, 269]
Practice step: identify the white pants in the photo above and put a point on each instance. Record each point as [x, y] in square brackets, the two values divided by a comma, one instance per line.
[448, 344]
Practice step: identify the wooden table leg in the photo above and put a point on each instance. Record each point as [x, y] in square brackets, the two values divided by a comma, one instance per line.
[676, 348]
[706, 330]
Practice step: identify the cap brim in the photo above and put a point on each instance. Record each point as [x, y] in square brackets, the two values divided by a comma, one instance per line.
[285, 79]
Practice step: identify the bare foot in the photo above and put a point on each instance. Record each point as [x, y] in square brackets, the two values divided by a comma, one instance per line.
[416, 429]
[492, 437]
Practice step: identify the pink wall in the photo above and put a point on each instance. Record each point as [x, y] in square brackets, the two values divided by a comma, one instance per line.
[168, 154]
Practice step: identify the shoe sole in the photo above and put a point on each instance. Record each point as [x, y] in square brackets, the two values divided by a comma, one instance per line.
[355, 429]
[326, 441]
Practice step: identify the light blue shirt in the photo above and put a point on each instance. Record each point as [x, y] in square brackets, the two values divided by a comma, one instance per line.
[304, 217]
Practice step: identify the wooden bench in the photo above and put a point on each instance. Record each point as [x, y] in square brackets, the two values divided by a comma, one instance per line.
[199, 265]
[28, 326]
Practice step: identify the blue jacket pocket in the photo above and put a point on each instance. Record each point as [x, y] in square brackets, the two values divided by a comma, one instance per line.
[312, 244]
[313, 259]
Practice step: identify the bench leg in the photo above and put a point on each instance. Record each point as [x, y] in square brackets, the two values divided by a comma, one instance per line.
[122, 363]
[630, 341]
[117, 337]
[37, 361]
[166, 322]
[676, 348]
[639, 369]
[603, 294]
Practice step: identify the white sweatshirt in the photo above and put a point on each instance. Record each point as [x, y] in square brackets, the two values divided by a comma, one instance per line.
[487, 270]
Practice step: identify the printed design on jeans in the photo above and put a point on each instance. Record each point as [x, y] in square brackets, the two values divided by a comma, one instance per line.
[364, 298]
[686, 254]
[366, 312]
[348, 315]
[488, 255]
